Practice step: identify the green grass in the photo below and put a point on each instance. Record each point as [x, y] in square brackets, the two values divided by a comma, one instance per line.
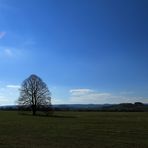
[74, 130]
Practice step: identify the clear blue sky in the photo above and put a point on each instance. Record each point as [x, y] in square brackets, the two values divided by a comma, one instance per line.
[87, 51]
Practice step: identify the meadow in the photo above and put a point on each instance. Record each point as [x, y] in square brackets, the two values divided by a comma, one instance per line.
[74, 130]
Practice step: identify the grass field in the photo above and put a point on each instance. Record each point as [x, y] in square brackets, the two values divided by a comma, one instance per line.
[74, 130]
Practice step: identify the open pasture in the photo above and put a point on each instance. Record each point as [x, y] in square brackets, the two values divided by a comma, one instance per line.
[74, 130]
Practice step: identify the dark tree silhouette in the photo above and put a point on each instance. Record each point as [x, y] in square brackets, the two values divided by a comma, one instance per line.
[34, 94]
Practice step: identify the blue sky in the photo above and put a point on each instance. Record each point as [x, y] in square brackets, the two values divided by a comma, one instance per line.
[87, 51]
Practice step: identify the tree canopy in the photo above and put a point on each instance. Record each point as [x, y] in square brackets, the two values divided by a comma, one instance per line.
[34, 94]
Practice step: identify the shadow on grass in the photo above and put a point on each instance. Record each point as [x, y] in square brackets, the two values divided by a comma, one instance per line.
[61, 116]
[44, 115]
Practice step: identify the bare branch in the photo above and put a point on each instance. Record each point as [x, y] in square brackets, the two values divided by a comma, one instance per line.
[34, 92]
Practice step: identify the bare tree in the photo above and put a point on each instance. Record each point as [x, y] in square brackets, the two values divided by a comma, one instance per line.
[34, 93]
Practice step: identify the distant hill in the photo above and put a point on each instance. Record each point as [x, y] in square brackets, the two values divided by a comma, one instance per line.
[80, 106]
[137, 106]
[64, 107]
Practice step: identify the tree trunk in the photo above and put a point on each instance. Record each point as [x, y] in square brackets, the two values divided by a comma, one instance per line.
[33, 110]
[34, 113]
